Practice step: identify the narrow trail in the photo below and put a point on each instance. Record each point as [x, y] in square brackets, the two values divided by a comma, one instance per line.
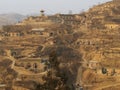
[107, 86]
[79, 75]
[11, 58]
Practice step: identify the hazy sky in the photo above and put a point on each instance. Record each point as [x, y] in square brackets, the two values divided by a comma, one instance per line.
[50, 6]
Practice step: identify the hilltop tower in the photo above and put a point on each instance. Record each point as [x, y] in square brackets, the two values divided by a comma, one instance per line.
[42, 13]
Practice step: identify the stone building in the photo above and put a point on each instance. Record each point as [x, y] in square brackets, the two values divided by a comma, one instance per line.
[112, 26]
[69, 19]
[38, 31]
[31, 64]
[2, 87]
[93, 64]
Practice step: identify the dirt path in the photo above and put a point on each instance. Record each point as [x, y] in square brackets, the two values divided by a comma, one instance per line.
[11, 58]
[107, 86]
[79, 75]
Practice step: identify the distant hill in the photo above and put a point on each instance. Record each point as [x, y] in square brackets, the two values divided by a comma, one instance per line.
[10, 18]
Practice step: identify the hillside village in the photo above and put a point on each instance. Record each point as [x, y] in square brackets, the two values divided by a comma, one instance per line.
[87, 46]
